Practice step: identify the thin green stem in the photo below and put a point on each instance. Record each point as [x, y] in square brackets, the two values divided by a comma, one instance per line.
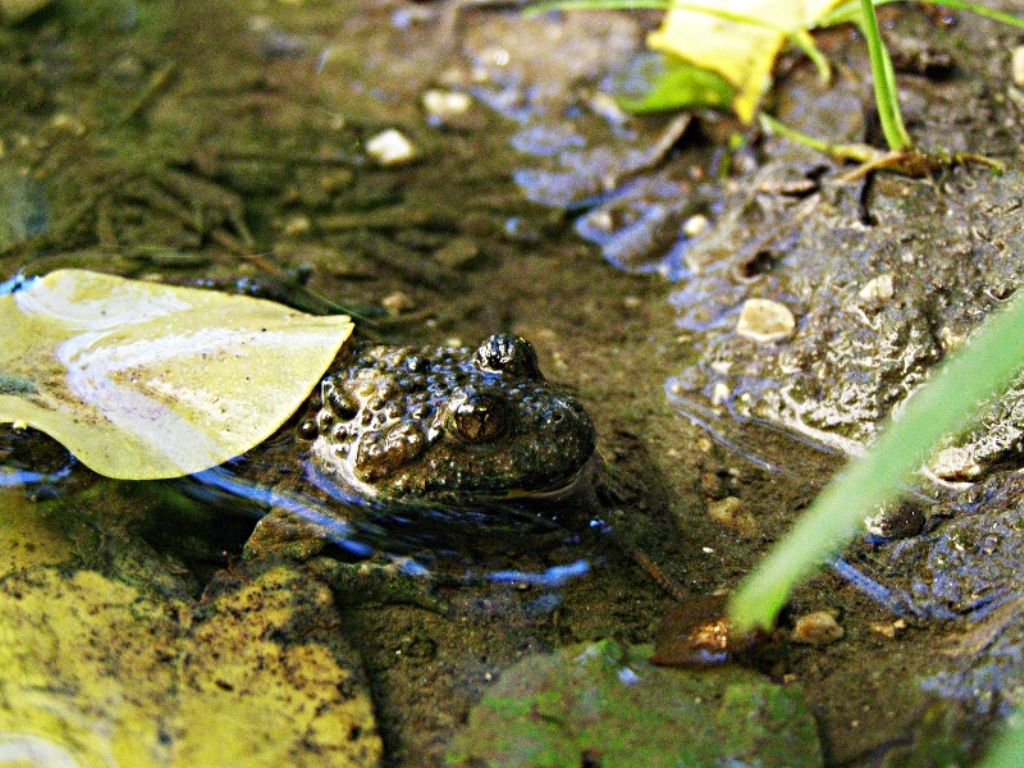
[858, 152]
[802, 39]
[850, 12]
[886, 97]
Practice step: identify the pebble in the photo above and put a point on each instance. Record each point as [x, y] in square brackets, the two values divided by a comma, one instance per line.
[955, 464]
[731, 513]
[1017, 66]
[887, 629]
[398, 302]
[720, 393]
[390, 147]
[694, 225]
[446, 104]
[817, 628]
[878, 288]
[763, 320]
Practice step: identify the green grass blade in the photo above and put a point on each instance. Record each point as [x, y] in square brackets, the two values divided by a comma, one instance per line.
[942, 407]
[886, 96]
[850, 12]
[1008, 748]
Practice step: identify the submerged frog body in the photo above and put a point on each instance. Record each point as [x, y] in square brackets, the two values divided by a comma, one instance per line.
[451, 426]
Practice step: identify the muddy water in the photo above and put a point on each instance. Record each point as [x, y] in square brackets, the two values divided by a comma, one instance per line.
[226, 140]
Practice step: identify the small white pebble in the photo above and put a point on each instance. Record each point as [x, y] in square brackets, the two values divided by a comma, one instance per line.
[955, 464]
[390, 147]
[817, 628]
[694, 225]
[720, 393]
[398, 302]
[1017, 66]
[878, 288]
[602, 220]
[763, 320]
[444, 104]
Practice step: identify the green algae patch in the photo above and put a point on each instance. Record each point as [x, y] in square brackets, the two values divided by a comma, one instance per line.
[86, 667]
[145, 381]
[92, 673]
[269, 675]
[28, 538]
[602, 703]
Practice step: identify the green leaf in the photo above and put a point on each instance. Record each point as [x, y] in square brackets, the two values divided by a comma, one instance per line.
[677, 84]
[739, 40]
[144, 381]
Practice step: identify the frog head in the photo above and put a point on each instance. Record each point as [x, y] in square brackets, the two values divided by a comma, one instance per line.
[448, 425]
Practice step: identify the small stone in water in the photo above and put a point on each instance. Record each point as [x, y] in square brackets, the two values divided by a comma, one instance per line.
[764, 320]
[817, 628]
[390, 147]
[398, 302]
[445, 104]
[694, 225]
[730, 513]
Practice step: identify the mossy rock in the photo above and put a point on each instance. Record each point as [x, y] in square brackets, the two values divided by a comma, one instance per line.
[604, 704]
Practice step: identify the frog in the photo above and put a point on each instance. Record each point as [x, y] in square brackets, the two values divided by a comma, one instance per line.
[447, 425]
[431, 429]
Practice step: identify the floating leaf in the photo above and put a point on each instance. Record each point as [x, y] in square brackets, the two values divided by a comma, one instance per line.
[145, 381]
[738, 39]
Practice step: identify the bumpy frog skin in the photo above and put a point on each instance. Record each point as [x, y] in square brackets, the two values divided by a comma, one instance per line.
[447, 425]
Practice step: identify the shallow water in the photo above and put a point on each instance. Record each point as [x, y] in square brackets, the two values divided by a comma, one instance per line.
[218, 140]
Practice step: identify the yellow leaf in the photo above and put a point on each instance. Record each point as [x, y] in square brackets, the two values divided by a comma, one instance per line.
[738, 39]
[145, 381]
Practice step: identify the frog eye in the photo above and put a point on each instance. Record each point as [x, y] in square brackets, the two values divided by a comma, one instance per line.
[505, 353]
[476, 418]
